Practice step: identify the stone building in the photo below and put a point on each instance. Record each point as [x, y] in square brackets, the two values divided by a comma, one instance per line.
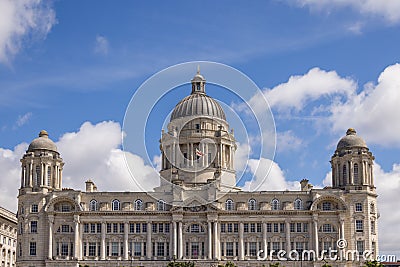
[196, 213]
[8, 238]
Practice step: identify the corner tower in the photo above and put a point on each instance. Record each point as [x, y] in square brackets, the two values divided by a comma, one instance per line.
[41, 166]
[199, 146]
[352, 163]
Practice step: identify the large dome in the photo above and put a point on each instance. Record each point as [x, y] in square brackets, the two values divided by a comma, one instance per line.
[43, 142]
[351, 140]
[198, 105]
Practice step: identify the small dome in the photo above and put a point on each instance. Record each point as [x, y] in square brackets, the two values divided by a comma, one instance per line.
[43, 142]
[200, 105]
[351, 140]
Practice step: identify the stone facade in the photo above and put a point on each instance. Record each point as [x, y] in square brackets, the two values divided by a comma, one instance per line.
[196, 213]
[8, 238]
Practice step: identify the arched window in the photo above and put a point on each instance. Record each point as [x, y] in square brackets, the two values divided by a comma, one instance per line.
[275, 204]
[345, 173]
[93, 205]
[229, 204]
[116, 204]
[138, 204]
[161, 205]
[298, 204]
[37, 180]
[355, 169]
[48, 175]
[252, 205]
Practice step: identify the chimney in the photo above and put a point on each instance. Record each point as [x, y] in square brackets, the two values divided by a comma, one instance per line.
[90, 186]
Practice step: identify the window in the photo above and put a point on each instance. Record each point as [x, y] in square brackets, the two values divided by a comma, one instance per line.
[253, 248]
[65, 228]
[345, 173]
[166, 228]
[358, 206]
[86, 228]
[229, 248]
[305, 227]
[327, 228]
[252, 227]
[160, 227]
[359, 226]
[92, 249]
[108, 227]
[154, 228]
[269, 227]
[372, 227]
[138, 204]
[121, 227]
[276, 229]
[116, 204]
[252, 204]
[34, 208]
[93, 205]
[33, 226]
[65, 207]
[360, 247]
[37, 180]
[48, 175]
[229, 205]
[137, 249]
[115, 227]
[235, 227]
[197, 127]
[298, 226]
[161, 205]
[298, 204]
[138, 228]
[275, 204]
[144, 228]
[195, 228]
[64, 249]
[114, 248]
[326, 206]
[246, 227]
[355, 169]
[258, 227]
[160, 249]
[98, 227]
[32, 248]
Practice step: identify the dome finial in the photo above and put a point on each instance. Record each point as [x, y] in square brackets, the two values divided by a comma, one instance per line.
[351, 131]
[43, 133]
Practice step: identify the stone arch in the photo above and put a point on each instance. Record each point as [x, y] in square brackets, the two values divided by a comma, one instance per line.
[51, 205]
[340, 204]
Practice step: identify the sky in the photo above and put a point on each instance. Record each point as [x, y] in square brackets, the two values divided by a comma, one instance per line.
[72, 67]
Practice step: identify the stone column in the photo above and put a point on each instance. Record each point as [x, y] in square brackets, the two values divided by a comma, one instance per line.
[316, 245]
[126, 229]
[180, 252]
[241, 242]
[149, 245]
[287, 228]
[216, 243]
[265, 239]
[209, 241]
[103, 241]
[174, 239]
[76, 241]
[30, 174]
[51, 221]
[81, 252]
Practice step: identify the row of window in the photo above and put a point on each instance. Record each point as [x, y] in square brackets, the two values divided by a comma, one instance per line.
[252, 204]
[116, 205]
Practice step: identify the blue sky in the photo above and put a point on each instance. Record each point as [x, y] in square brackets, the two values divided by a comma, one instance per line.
[71, 67]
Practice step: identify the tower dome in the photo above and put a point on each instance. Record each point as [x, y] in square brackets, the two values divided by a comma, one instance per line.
[351, 140]
[198, 103]
[43, 142]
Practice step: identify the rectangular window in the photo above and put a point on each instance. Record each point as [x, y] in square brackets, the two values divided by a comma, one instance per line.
[259, 228]
[99, 228]
[121, 227]
[282, 227]
[246, 227]
[223, 227]
[292, 227]
[137, 249]
[253, 248]
[229, 248]
[144, 229]
[360, 247]
[252, 227]
[115, 227]
[166, 228]
[32, 248]
[326, 206]
[269, 227]
[160, 227]
[359, 226]
[108, 227]
[86, 228]
[33, 226]
[64, 249]
[298, 227]
[34, 208]
[160, 249]
[92, 249]
[276, 227]
[138, 228]
[132, 228]
[305, 227]
[326, 228]
[114, 249]
[65, 228]
[235, 227]
[93, 228]
[359, 207]
[154, 226]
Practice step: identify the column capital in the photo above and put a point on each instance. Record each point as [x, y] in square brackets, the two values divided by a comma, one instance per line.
[76, 219]
[51, 219]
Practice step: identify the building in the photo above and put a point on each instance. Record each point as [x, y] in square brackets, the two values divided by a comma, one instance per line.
[8, 237]
[196, 213]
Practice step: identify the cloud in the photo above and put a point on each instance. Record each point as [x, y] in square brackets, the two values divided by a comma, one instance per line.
[389, 10]
[22, 120]
[287, 141]
[300, 89]
[388, 187]
[93, 152]
[21, 22]
[267, 175]
[101, 45]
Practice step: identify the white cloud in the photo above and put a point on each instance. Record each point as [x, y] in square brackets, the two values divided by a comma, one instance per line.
[300, 89]
[387, 9]
[101, 45]
[22, 120]
[21, 21]
[374, 111]
[267, 175]
[287, 141]
[388, 187]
